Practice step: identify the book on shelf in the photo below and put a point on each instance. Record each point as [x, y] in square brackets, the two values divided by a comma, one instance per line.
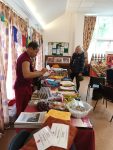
[30, 120]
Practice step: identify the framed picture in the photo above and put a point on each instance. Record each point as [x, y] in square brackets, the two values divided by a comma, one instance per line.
[58, 60]
[66, 60]
[50, 59]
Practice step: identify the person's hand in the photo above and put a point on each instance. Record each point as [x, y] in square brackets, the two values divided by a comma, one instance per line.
[80, 74]
[44, 70]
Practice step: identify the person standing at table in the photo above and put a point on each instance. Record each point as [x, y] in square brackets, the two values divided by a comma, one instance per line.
[77, 65]
[24, 76]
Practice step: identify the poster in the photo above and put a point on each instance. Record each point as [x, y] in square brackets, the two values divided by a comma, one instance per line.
[58, 48]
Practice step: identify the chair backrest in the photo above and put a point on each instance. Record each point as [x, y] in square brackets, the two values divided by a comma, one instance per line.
[109, 76]
[107, 92]
[19, 140]
[97, 81]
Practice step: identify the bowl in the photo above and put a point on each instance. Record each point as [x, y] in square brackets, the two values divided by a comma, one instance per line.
[79, 109]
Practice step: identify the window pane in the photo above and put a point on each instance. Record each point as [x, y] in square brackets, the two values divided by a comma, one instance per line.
[102, 39]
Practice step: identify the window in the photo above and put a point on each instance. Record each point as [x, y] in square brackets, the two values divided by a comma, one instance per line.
[102, 39]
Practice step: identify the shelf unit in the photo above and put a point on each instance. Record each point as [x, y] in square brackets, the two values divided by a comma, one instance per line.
[62, 61]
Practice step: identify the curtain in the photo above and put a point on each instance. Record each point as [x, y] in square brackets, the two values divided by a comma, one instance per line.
[4, 117]
[89, 24]
[13, 38]
[39, 58]
[37, 37]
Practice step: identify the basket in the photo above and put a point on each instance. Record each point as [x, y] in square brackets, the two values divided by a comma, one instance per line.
[71, 106]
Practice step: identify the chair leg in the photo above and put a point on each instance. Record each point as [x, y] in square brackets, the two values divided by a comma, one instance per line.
[87, 92]
[106, 103]
[95, 105]
[111, 118]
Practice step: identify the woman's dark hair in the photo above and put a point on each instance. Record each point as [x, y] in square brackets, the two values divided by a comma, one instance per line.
[33, 45]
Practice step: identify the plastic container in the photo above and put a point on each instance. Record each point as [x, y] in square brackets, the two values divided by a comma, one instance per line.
[73, 105]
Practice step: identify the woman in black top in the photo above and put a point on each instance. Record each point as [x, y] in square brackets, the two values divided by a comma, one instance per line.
[77, 65]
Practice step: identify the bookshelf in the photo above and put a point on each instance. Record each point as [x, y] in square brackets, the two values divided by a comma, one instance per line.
[62, 61]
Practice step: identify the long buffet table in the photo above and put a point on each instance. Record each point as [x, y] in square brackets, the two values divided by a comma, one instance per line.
[84, 140]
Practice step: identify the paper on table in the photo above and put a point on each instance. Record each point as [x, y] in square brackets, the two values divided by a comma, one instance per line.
[60, 132]
[79, 123]
[84, 122]
[43, 138]
[48, 67]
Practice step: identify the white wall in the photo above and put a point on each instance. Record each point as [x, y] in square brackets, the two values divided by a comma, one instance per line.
[67, 28]
[79, 25]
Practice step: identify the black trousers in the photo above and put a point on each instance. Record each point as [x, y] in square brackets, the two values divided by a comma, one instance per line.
[76, 75]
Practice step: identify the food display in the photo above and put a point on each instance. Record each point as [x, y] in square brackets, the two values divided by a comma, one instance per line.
[99, 68]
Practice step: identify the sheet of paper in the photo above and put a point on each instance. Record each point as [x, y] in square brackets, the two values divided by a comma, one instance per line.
[48, 67]
[84, 122]
[43, 138]
[46, 74]
[60, 132]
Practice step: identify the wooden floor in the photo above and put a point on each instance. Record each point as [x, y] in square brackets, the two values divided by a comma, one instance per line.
[99, 118]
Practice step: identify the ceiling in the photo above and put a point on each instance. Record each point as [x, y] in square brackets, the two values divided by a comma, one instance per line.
[45, 11]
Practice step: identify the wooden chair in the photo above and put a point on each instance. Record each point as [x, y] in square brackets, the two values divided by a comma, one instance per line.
[94, 82]
[107, 95]
[102, 92]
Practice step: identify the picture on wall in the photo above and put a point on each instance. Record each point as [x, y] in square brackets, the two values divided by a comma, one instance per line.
[66, 60]
[58, 48]
[58, 59]
[50, 59]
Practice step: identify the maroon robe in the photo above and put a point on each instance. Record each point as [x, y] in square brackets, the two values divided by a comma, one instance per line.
[23, 86]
